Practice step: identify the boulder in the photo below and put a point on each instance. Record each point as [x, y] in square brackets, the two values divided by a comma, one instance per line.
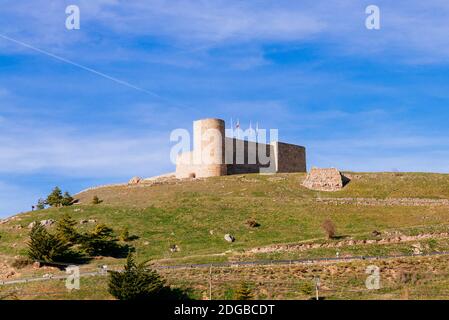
[325, 179]
[229, 238]
[45, 223]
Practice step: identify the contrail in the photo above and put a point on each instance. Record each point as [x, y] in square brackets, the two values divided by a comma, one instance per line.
[101, 74]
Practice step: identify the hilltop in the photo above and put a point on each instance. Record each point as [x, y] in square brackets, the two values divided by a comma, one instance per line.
[407, 211]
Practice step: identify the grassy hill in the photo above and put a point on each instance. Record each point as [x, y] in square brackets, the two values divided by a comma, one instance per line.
[196, 214]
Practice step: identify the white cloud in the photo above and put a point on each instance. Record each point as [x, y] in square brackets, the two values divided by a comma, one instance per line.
[28, 146]
[412, 33]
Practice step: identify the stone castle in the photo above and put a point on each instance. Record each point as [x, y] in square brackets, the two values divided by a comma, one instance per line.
[214, 154]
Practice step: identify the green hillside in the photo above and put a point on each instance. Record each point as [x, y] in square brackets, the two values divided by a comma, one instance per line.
[196, 214]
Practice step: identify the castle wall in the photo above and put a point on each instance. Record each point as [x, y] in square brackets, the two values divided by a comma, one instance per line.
[216, 155]
[249, 161]
[290, 157]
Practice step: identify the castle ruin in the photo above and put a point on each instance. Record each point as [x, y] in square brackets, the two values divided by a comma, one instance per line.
[214, 154]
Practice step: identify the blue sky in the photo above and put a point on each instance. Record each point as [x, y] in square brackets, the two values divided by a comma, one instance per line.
[358, 99]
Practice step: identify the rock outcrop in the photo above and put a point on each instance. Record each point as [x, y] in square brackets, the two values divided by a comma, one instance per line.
[135, 180]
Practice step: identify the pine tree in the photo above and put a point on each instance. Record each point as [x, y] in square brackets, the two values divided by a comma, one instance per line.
[65, 230]
[54, 199]
[100, 242]
[66, 199]
[136, 282]
[57, 199]
[41, 203]
[46, 247]
[244, 292]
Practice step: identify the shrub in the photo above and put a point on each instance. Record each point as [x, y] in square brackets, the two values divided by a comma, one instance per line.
[329, 227]
[306, 288]
[244, 292]
[252, 223]
[124, 235]
[21, 262]
[136, 282]
[96, 200]
[46, 247]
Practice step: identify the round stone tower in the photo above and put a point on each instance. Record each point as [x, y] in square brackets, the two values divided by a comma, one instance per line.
[209, 147]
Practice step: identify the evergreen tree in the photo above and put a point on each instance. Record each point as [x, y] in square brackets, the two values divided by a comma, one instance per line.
[46, 247]
[54, 199]
[244, 292]
[57, 199]
[65, 230]
[66, 199]
[101, 242]
[136, 282]
[41, 203]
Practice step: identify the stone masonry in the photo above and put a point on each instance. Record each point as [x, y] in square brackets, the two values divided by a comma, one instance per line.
[219, 155]
[328, 179]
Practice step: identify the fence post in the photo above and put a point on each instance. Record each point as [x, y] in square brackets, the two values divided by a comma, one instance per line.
[317, 288]
[210, 282]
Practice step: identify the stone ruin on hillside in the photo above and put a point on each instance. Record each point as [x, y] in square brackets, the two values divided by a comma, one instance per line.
[327, 179]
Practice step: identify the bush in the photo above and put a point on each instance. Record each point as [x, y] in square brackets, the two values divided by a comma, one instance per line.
[21, 262]
[124, 235]
[329, 227]
[244, 292]
[306, 288]
[136, 282]
[252, 223]
[47, 248]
